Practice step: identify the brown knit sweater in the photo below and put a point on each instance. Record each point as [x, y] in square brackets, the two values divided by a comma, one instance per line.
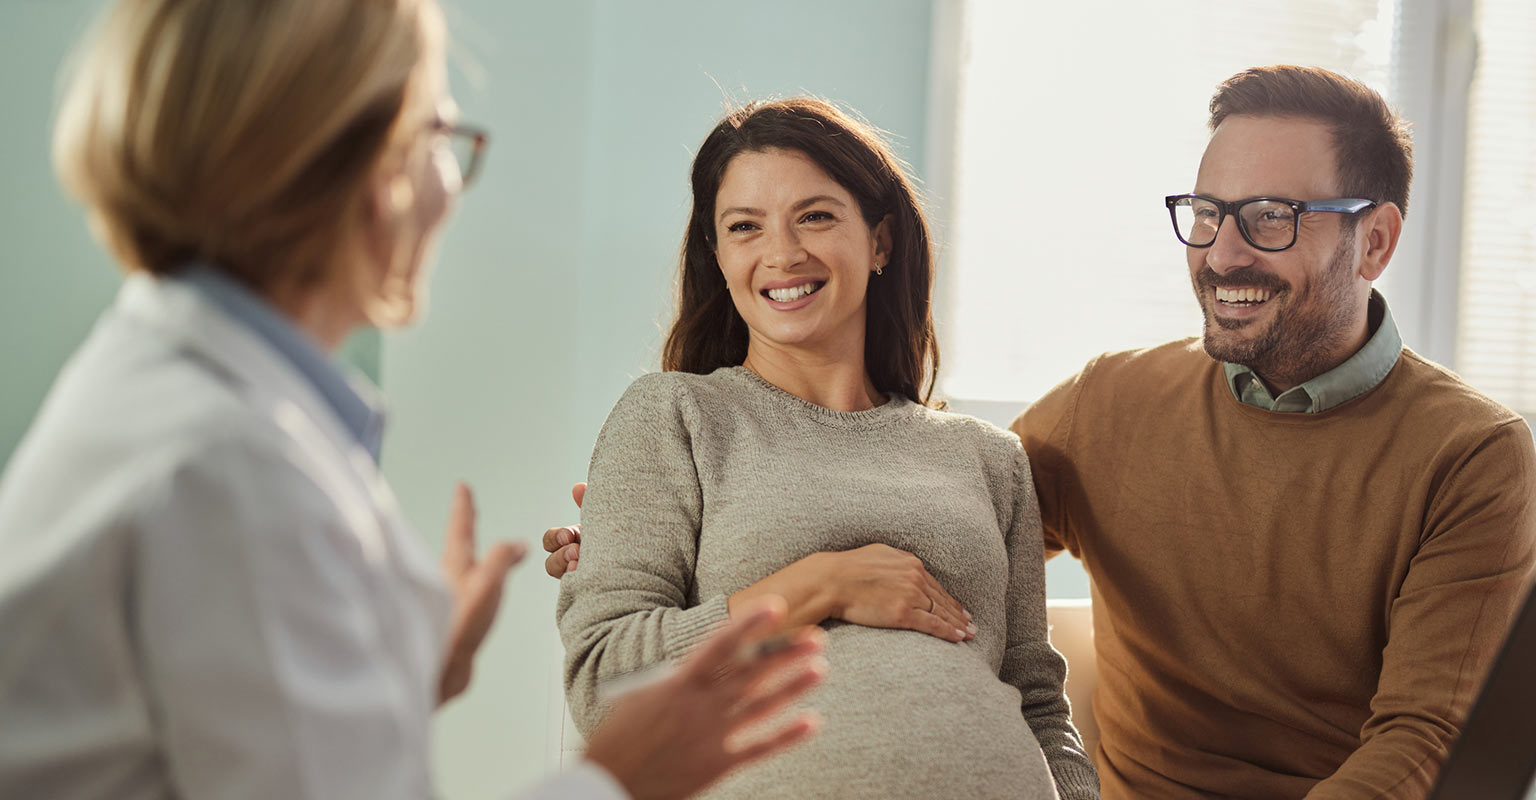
[1285, 605]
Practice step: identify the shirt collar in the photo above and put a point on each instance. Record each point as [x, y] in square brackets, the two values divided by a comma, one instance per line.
[1359, 374]
[356, 402]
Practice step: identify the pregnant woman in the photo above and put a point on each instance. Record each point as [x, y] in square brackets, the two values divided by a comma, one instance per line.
[790, 447]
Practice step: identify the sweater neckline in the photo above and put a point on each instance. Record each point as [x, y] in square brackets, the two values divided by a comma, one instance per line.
[894, 408]
[1294, 418]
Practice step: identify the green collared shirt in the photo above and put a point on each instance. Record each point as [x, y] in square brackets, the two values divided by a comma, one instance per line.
[1356, 376]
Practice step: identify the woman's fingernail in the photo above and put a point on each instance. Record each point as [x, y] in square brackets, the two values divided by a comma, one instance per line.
[960, 633]
[971, 628]
[967, 613]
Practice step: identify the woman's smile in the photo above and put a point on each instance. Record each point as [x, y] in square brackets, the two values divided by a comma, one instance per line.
[789, 298]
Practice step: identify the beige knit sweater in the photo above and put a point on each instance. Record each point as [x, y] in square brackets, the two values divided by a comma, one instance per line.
[704, 484]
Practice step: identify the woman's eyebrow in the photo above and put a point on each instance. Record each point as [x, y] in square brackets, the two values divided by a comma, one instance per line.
[809, 201]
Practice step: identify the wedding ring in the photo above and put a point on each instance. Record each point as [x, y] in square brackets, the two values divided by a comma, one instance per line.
[932, 605]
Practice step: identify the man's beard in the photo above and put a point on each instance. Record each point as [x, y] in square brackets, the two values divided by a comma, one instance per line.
[1302, 337]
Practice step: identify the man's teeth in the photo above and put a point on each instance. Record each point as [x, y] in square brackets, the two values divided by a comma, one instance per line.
[1243, 295]
[793, 293]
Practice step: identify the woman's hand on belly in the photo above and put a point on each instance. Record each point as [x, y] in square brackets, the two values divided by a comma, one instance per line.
[876, 585]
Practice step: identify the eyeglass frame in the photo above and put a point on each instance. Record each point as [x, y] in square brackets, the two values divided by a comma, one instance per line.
[479, 140]
[1338, 205]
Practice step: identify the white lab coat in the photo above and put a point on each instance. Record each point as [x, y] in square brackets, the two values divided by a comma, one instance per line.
[206, 588]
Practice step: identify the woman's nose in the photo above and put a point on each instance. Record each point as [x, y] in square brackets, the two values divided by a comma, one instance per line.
[784, 249]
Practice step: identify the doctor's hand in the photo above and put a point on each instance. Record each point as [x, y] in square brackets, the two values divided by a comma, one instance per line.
[476, 585]
[678, 736]
[564, 543]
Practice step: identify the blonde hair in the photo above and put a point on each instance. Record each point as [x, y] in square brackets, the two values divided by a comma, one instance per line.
[242, 134]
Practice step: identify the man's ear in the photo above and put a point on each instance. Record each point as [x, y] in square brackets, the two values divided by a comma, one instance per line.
[1380, 232]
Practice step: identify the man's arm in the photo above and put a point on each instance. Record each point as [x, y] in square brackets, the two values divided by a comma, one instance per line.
[1045, 428]
[1445, 626]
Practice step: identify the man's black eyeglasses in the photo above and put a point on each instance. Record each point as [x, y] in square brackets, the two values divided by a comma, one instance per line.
[1267, 223]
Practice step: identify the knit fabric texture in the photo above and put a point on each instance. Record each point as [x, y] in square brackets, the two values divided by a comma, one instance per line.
[1285, 605]
[701, 485]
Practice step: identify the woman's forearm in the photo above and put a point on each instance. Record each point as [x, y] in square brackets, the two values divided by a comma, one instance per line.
[876, 585]
[805, 587]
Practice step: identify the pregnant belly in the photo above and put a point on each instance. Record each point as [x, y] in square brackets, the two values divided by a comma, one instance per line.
[905, 715]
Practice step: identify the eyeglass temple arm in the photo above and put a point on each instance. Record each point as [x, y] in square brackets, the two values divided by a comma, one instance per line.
[1343, 205]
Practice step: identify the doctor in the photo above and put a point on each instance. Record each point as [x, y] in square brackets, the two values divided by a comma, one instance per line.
[207, 590]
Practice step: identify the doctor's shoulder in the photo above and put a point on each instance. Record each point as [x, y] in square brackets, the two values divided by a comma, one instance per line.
[113, 441]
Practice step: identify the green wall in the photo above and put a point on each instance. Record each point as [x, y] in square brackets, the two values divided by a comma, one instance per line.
[555, 278]
[54, 280]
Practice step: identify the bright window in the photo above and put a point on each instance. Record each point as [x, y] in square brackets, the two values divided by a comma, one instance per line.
[1074, 121]
[1496, 345]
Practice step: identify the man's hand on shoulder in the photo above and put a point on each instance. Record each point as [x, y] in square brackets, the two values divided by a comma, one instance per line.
[564, 543]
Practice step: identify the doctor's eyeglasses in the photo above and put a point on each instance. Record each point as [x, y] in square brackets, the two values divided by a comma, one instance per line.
[468, 146]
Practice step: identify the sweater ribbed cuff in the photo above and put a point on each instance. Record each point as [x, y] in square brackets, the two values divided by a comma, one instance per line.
[1075, 782]
[686, 629]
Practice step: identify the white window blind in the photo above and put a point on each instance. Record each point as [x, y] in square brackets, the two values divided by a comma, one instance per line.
[1073, 121]
[1496, 348]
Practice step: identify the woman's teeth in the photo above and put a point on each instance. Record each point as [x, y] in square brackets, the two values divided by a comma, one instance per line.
[1243, 295]
[792, 293]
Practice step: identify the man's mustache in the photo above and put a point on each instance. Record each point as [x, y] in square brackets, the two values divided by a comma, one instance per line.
[1245, 276]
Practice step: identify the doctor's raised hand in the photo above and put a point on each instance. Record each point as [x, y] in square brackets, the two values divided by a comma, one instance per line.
[476, 585]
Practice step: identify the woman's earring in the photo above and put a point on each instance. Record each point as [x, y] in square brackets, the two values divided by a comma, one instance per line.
[880, 269]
